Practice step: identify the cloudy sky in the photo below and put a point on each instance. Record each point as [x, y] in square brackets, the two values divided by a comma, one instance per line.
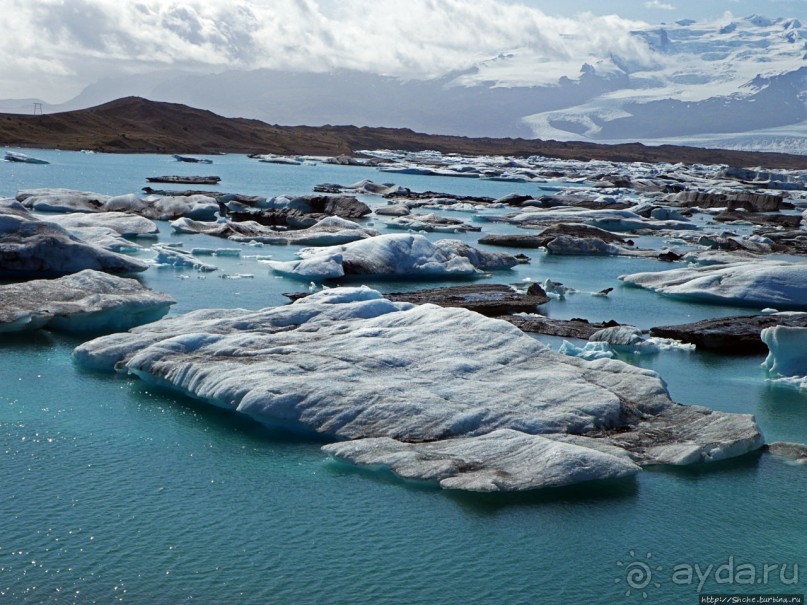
[52, 49]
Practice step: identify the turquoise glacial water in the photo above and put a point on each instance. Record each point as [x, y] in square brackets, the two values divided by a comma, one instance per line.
[113, 491]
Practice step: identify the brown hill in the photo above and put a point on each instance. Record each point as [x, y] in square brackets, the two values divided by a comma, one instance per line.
[133, 125]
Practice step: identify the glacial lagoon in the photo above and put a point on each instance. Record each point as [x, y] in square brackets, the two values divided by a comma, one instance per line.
[117, 491]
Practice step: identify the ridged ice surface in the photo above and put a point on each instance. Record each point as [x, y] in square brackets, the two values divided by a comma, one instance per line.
[758, 283]
[89, 301]
[348, 364]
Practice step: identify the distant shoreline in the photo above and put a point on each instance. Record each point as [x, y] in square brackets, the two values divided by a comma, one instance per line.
[136, 125]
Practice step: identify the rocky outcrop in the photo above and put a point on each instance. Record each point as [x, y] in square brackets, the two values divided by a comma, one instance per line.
[730, 335]
[492, 300]
[514, 240]
[786, 221]
[185, 180]
[344, 206]
[488, 299]
[572, 328]
[731, 200]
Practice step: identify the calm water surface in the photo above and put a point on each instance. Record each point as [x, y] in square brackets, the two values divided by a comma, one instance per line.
[113, 491]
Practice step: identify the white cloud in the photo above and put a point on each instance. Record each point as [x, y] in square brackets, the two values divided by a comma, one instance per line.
[67, 44]
[660, 5]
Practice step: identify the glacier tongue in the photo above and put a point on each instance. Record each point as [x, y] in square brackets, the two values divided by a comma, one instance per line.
[347, 364]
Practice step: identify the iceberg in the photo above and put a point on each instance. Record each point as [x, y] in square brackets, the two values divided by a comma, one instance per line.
[501, 461]
[628, 339]
[170, 207]
[787, 351]
[12, 156]
[32, 247]
[586, 246]
[156, 207]
[176, 258]
[61, 200]
[127, 225]
[88, 301]
[589, 352]
[330, 231]
[759, 284]
[348, 364]
[431, 222]
[609, 220]
[400, 255]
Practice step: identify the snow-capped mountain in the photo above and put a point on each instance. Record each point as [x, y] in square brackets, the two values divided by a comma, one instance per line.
[738, 83]
[741, 84]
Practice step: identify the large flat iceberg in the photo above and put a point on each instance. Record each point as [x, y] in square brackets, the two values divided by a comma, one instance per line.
[89, 301]
[330, 231]
[759, 284]
[29, 246]
[346, 363]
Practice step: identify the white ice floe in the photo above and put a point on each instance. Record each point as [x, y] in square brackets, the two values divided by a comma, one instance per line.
[61, 200]
[330, 231]
[590, 351]
[393, 255]
[105, 238]
[608, 342]
[109, 230]
[29, 246]
[610, 220]
[749, 284]
[156, 207]
[177, 258]
[787, 357]
[503, 460]
[628, 339]
[431, 222]
[232, 252]
[127, 225]
[556, 289]
[168, 207]
[89, 301]
[346, 363]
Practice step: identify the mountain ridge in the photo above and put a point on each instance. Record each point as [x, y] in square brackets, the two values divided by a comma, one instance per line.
[137, 125]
